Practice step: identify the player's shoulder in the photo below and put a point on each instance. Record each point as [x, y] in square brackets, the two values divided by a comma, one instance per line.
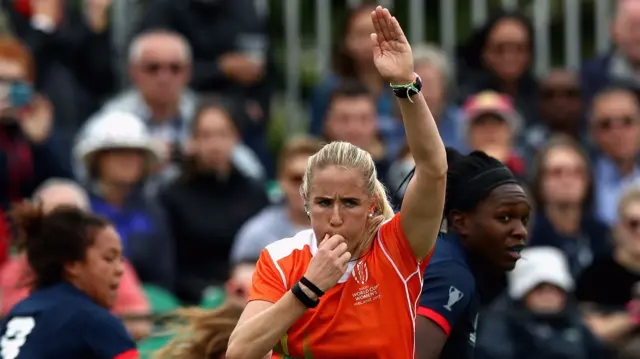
[303, 243]
[448, 250]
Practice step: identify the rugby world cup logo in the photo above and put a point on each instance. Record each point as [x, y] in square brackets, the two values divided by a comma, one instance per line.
[360, 273]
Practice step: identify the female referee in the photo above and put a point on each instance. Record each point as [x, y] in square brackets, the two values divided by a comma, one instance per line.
[486, 214]
[76, 260]
[349, 287]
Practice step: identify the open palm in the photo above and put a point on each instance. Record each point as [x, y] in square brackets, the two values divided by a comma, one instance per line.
[391, 50]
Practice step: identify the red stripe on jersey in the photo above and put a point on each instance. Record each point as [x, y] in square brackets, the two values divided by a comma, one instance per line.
[129, 354]
[436, 317]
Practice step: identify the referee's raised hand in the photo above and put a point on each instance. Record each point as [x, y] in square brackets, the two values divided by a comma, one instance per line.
[391, 50]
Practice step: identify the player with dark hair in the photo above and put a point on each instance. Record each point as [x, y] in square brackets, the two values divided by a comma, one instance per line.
[485, 218]
[76, 259]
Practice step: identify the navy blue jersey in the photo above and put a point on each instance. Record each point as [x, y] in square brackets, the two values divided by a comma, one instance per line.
[61, 322]
[449, 297]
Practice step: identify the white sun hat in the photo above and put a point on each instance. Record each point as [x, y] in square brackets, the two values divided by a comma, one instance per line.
[114, 130]
[539, 265]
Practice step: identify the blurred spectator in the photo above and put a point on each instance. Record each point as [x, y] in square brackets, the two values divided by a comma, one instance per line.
[562, 188]
[279, 220]
[540, 318]
[353, 61]
[235, 65]
[30, 149]
[71, 45]
[607, 286]
[211, 201]
[160, 66]
[615, 128]
[15, 274]
[560, 109]
[118, 155]
[491, 124]
[619, 66]
[434, 68]
[499, 57]
[397, 175]
[351, 117]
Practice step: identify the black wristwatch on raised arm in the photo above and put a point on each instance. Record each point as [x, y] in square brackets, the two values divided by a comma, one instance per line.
[408, 90]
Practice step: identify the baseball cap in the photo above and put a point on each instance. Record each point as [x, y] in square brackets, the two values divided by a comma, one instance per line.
[491, 103]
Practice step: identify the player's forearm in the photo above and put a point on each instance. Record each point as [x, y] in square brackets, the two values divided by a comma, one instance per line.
[259, 334]
[423, 138]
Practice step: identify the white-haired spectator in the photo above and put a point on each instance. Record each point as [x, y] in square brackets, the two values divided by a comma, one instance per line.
[159, 66]
[538, 317]
[608, 286]
[118, 154]
[15, 277]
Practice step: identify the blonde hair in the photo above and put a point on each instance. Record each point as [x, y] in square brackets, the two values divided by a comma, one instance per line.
[349, 156]
[630, 194]
[205, 334]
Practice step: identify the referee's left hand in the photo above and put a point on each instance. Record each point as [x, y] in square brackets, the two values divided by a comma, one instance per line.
[391, 50]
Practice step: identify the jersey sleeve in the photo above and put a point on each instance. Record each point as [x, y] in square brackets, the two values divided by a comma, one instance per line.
[105, 336]
[269, 282]
[397, 248]
[446, 293]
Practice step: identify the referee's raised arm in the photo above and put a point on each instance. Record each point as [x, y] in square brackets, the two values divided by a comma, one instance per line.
[423, 202]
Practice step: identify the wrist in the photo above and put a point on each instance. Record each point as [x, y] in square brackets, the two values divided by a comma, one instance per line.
[308, 291]
[403, 80]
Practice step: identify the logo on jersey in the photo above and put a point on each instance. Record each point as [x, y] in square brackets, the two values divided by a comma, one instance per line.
[360, 273]
[454, 297]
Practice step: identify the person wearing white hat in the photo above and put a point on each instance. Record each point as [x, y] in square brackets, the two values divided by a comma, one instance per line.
[117, 154]
[538, 319]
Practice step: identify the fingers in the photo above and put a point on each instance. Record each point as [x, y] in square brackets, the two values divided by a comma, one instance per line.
[377, 51]
[396, 30]
[384, 20]
[340, 248]
[345, 258]
[333, 242]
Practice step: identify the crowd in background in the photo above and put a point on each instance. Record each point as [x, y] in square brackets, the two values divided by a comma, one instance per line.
[178, 159]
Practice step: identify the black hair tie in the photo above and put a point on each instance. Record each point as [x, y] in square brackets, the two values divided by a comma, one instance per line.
[312, 287]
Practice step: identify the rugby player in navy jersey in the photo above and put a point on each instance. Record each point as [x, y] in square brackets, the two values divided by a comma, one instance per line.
[76, 259]
[486, 214]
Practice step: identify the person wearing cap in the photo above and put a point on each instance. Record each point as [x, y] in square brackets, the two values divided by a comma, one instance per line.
[118, 154]
[491, 124]
[538, 318]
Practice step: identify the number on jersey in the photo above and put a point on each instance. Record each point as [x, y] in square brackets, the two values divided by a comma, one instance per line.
[15, 336]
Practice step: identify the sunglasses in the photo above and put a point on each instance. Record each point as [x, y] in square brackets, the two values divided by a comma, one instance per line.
[295, 178]
[552, 93]
[505, 47]
[153, 68]
[561, 171]
[608, 123]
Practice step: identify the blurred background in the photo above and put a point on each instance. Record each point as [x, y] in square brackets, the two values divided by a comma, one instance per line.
[189, 123]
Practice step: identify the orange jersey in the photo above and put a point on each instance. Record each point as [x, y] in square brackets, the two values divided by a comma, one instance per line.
[370, 313]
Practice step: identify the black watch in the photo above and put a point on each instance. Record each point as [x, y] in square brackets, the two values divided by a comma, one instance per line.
[408, 90]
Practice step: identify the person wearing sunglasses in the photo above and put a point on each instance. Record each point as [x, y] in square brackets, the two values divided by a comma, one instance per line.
[615, 127]
[610, 284]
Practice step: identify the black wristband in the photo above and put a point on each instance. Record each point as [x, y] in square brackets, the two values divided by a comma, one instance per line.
[312, 287]
[303, 297]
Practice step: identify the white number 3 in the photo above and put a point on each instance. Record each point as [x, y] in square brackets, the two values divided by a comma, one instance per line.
[15, 336]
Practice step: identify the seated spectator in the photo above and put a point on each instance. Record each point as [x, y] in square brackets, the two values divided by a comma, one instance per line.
[160, 67]
[210, 202]
[118, 155]
[15, 274]
[620, 65]
[499, 57]
[491, 124]
[615, 127]
[353, 61]
[237, 65]
[609, 284]
[351, 117]
[539, 319]
[560, 110]
[434, 68]
[30, 149]
[562, 188]
[279, 220]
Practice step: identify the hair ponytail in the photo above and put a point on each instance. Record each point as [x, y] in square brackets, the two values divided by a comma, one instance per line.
[28, 219]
